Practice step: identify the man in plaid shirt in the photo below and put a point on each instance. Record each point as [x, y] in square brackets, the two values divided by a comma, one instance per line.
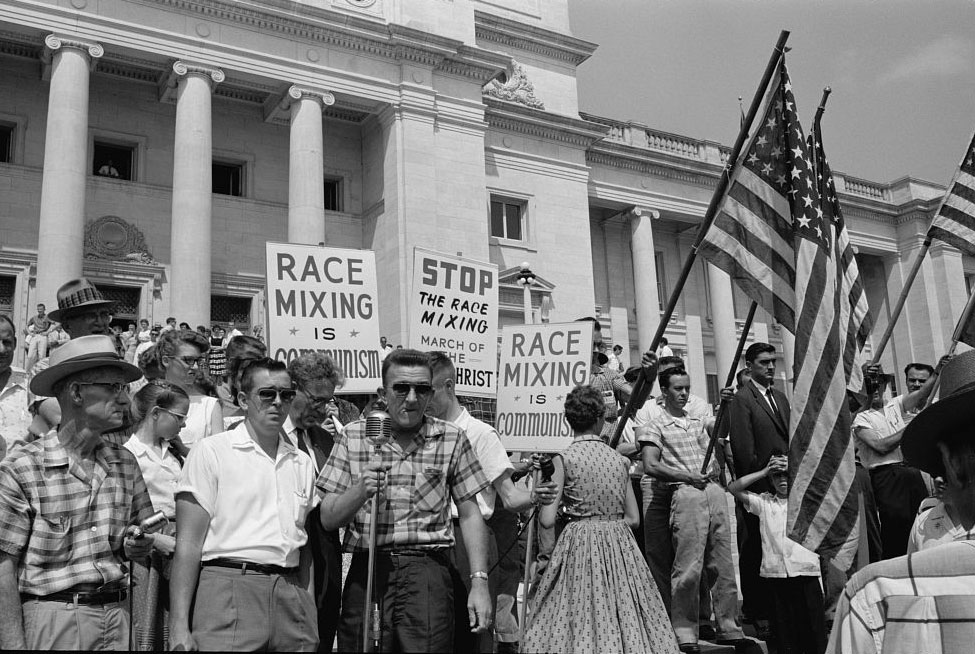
[410, 478]
[69, 503]
[674, 446]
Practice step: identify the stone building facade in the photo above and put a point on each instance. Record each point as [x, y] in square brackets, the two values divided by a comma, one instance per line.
[156, 145]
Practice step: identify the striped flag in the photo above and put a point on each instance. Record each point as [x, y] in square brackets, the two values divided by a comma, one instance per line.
[955, 222]
[832, 327]
[781, 237]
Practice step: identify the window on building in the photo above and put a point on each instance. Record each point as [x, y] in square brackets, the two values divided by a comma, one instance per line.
[126, 299]
[227, 308]
[116, 160]
[228, 178]
[6, 142]
[658, 261]
[333, 194]
[8, 286]
[714, 393]
[508, 218]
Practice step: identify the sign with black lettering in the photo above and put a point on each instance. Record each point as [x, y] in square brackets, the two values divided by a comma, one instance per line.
[454, 309]
[324, 299]
[540, 364]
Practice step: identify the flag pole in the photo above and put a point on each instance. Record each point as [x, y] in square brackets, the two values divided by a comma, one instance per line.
[892, 321]
[640, 386]
[956, 338]
[722, 409]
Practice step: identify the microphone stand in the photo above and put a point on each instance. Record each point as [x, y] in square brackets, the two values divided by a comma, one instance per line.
[371, 619]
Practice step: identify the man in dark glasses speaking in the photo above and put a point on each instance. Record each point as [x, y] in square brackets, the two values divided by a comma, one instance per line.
[241, 506]
[425, 459]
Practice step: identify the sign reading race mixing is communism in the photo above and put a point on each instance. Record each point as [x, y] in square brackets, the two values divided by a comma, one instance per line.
[540, 364]
[454, 309]
[324, 299]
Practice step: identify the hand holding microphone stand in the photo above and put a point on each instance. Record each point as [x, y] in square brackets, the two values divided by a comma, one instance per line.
[378, 432]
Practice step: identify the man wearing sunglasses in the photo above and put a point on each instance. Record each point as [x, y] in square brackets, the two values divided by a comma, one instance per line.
[241, 506]
[69, 503]
[426, 463]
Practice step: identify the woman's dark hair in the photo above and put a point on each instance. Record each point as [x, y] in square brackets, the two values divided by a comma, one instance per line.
[157, 393]
[149, 363]
[583, 407]
[240, 350]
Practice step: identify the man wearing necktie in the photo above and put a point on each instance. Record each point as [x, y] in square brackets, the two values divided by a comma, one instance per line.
[310, 426]
[759, 429]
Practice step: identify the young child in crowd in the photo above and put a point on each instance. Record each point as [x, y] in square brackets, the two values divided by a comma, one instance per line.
[790, 570]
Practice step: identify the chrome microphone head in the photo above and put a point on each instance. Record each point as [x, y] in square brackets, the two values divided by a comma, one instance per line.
[379, 428]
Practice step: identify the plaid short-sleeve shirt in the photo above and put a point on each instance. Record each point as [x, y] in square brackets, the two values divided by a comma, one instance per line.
[414, 511]
[682, 441]
[64, 526]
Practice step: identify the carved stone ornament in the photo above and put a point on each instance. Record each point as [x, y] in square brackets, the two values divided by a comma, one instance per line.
[110, 238]
[518, 88]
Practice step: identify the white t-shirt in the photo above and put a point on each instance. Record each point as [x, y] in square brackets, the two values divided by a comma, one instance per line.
[935, 527]
[490, 454]
[161, 473]
[781, 556]
[885, 422]
[257, 505]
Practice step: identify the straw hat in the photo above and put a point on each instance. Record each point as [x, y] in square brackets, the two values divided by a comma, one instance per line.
[950, 419]
[79, 354]
[78, 294]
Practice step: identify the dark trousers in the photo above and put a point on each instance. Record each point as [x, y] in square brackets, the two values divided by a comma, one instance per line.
[898, 490]
[798, 625]
[416, 602]
[874, 541]
[326, 553]
[464, 639]
[755, 599]
[509, 573]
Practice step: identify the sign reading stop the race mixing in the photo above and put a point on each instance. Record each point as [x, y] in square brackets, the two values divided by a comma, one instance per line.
[324, 299]
[454, 309]
[540, 364]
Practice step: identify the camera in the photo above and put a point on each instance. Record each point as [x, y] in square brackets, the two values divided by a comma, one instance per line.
[547, 467]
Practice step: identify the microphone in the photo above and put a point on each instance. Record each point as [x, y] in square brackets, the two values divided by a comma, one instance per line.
[379, 429]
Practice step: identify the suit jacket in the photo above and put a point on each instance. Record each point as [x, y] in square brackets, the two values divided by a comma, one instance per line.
[325, 546]
[756, 431]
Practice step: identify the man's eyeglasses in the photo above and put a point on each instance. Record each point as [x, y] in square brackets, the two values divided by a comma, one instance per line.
[116, 388]
[318, 402]
[402, 389]
[268, 395]
[180, 417]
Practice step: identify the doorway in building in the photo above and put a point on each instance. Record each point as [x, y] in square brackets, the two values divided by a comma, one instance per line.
[126, 299]
[227, 308]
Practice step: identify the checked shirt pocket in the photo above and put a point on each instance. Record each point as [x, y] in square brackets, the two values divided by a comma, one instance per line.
[430, 490]
[51, 534]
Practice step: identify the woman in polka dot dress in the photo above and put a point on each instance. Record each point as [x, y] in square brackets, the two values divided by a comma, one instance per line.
[597, 594]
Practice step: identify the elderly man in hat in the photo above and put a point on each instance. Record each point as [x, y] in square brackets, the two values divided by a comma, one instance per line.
[82, 311]
[69, 504]
[925, 602]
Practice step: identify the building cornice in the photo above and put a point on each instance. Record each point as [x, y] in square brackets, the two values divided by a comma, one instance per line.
[514, 35]
[517, 118]
[655, 164]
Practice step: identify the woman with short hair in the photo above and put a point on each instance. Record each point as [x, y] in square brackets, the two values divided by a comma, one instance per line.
[180, 354]
[597, 594]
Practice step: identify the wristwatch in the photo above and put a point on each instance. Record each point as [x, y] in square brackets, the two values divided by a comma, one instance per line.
[480, 574]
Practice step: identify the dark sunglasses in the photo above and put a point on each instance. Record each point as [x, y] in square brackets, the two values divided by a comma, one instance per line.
[269, 394]
[402, 389]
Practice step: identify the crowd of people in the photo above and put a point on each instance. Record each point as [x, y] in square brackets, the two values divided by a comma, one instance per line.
[172, 488]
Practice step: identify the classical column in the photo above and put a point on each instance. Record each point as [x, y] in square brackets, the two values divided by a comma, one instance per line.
[60, 250]
[722, 321]
[644, 275]
[192, 194]
[306, 175]
[788, 359]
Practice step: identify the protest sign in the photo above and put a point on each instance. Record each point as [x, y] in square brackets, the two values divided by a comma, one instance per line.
[540, 364]
[324, 299]
[454, 309]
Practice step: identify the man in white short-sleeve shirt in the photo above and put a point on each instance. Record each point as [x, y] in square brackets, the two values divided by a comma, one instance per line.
[241, 507]
[497, 467]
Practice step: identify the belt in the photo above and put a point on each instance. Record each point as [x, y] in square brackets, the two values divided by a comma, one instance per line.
[85, 597]
[247, 566]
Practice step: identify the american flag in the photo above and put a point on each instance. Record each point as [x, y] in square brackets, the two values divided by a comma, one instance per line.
[955, 222]
[788, 250]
